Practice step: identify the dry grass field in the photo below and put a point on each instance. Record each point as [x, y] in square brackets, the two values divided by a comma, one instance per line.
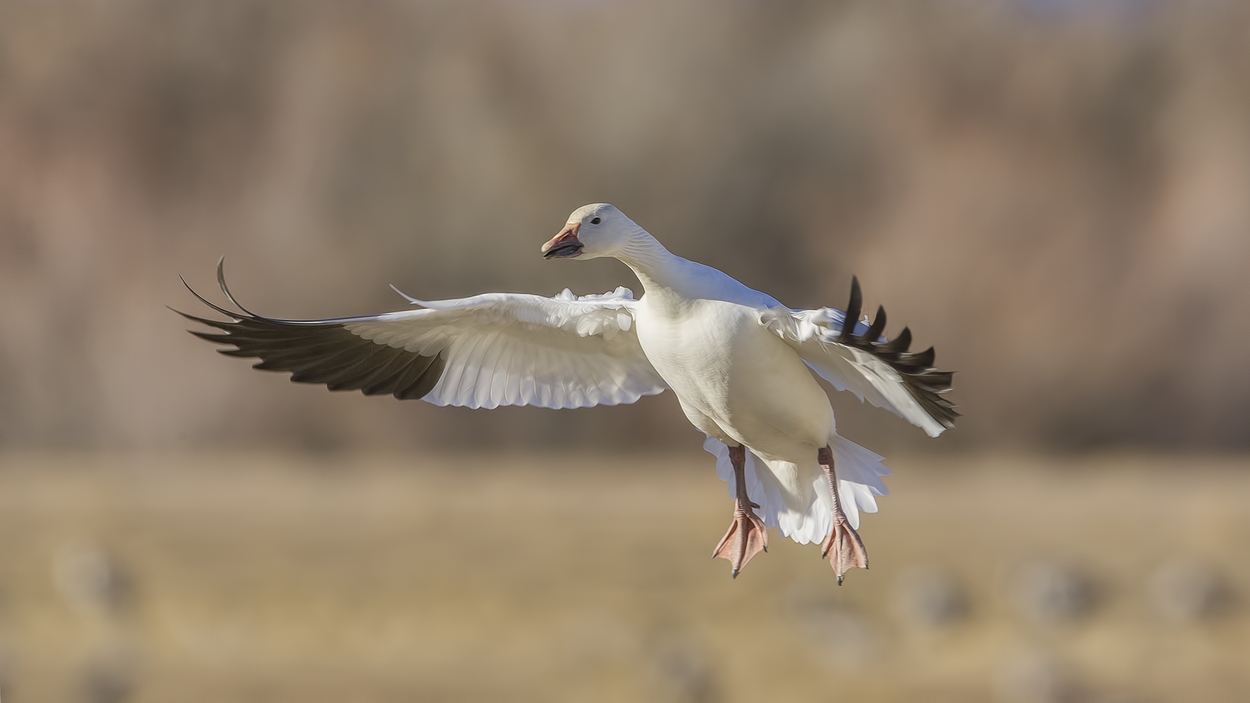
[280, 577]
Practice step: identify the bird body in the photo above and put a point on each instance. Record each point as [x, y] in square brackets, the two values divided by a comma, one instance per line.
[740, 363]
[735, 380]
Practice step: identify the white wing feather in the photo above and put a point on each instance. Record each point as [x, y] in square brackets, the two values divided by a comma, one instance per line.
[516, 349]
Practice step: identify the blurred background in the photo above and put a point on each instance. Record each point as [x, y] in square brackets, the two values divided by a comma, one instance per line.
[1052, 193]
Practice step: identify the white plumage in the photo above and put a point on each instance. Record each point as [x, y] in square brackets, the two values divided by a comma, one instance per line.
[514, 349]
[739, 362]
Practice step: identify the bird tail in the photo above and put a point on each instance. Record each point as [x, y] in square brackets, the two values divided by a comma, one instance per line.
[795, 498]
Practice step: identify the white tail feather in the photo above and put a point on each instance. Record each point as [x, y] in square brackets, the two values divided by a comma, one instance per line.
[808, 515]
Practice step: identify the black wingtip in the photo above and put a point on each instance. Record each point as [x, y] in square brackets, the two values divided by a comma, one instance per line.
[221, 281]
[853, 307]
[899, 344]
[925, 383]
[201, 320]
[228, 313]
[878, 325]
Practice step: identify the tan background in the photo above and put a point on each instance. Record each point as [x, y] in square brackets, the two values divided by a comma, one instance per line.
[1052, 195]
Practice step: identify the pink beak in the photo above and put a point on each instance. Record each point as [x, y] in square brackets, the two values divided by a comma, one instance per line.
[565, 244]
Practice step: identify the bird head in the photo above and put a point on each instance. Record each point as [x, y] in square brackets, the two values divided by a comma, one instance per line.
[592, 231]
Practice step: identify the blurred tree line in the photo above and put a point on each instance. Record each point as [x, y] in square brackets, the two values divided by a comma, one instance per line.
[1053, 194]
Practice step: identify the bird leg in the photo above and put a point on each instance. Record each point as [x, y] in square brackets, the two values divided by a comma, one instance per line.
[747, 535]
[848, 549]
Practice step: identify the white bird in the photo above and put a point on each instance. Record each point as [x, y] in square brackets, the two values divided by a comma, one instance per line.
[739, 362]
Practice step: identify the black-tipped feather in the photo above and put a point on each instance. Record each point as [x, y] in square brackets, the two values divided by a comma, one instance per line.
[852, 312]
[221, 281]
[363, 373]
[386, 380]
[425, 382]
[901, 343]
[318, 351]
[420, 378]
[922, 381]
[878, 325]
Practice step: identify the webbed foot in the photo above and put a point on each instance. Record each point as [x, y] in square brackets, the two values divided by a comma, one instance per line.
[747, 536]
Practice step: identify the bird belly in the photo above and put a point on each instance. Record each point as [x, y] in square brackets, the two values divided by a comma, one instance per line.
[736, 381]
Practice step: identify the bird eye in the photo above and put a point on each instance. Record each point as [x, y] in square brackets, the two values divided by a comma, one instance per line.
[595, 221]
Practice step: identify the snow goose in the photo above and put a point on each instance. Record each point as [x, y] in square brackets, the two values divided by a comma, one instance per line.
[739, 362]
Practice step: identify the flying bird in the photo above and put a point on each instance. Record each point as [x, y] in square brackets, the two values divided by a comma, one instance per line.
[740, 363]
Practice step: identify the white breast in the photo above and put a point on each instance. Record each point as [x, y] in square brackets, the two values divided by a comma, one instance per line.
[735, 380]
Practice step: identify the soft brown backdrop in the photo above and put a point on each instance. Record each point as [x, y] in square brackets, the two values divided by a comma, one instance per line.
[1054, 193]
[1053, 196]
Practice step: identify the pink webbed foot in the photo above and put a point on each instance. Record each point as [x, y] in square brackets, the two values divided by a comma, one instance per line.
[746, 537]
[845, 546]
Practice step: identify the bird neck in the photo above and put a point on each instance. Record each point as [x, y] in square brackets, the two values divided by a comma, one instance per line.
[655, 266]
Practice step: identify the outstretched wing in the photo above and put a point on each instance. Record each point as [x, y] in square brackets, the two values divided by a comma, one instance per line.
[480, 352]
[858, 358]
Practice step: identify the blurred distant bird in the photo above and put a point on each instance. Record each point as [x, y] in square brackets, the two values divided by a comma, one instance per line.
[739, 362]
